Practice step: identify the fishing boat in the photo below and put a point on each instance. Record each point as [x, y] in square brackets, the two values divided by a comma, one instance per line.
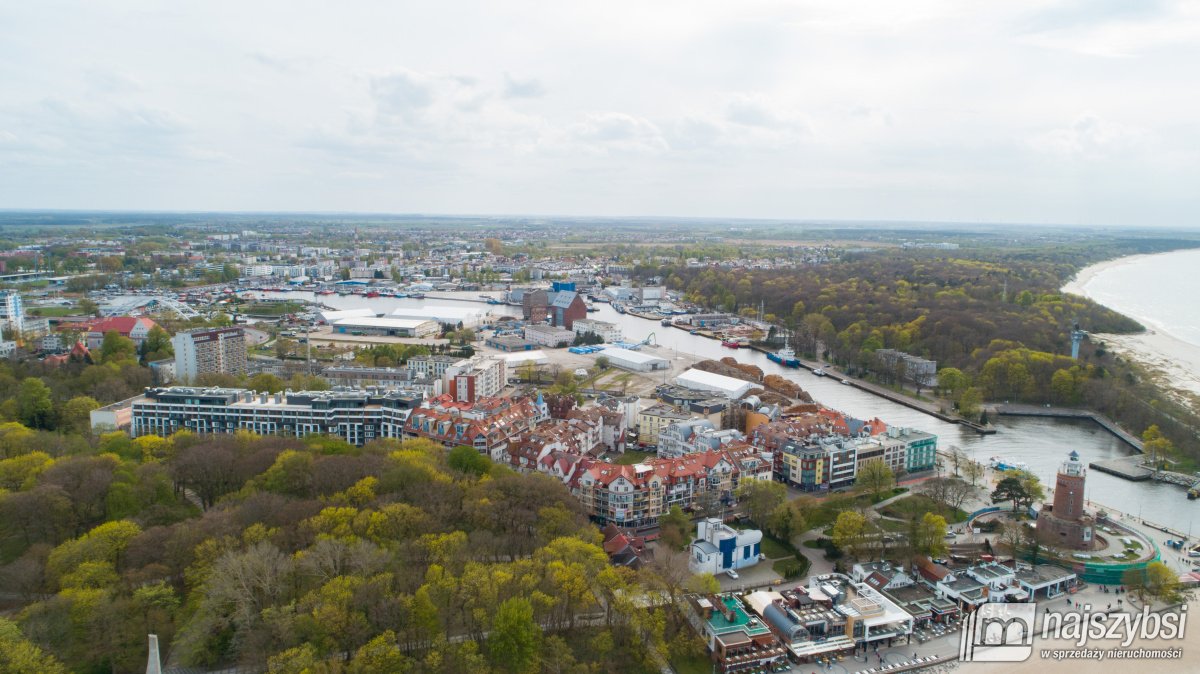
[666, 322]
[372, 295]
[731, 344]
[785, 356]
[326, 292]
[417, 296]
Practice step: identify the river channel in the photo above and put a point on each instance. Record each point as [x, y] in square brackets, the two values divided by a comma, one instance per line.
[1041, 443]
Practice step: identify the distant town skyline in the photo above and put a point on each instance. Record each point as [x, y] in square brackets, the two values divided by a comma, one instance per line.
[1040, 112]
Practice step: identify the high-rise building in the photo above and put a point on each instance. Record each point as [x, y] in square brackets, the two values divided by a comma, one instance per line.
[209, 351]
[12, 314]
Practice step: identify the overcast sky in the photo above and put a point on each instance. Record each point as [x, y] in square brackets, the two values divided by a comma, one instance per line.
[1067, 112]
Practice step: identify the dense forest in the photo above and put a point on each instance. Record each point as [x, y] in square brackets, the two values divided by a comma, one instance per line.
[993, 318]
[312, 555]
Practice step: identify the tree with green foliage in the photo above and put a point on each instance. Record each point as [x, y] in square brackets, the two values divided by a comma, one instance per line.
[927, 535]
[19, 656]
[157, 345]
[514, 639]
[35, 406]
[1010, 489]
[469, 461]
[761, 498]
[875, 477]
[116, 348]
[265, 382]
[850, 532]
[675, 528]
[76, 415]
[1156, 446]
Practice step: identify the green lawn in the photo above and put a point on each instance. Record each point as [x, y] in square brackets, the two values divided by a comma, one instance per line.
[891, 525]
[54, 312]
[631, 457]
[774, 549]
[917, 505]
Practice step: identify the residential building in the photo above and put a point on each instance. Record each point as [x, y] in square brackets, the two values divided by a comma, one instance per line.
[7, 348]
[488, 424]
[695, 435]
[356, 416]
[719, 547]
[475, 378]
[209, 351]
[431, 366]
[12, 314]
[357, 376]
[638, 494]
[652, 420]
[907, 367]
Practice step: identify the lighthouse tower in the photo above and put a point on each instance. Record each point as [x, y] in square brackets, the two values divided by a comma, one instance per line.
[1065, 523]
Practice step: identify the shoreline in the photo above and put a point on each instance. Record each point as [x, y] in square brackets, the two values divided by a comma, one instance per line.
[1173, 362]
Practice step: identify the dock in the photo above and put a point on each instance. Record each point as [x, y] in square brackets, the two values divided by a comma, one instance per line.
[1072, 413]
[1126, 467]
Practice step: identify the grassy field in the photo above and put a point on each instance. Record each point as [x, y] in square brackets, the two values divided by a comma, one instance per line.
[54, 312]
[917, 505]
[631, 457]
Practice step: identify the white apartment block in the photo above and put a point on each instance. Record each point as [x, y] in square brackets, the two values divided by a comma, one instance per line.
[209, 351]
[12, 313]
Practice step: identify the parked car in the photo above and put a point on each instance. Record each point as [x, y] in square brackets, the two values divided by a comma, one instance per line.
[732, 574]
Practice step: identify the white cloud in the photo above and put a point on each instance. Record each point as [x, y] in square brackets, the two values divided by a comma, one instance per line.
[1090, 137]
[931, 109]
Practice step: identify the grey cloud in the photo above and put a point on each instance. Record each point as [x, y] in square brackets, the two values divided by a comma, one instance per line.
[402, 93]
[514, 88]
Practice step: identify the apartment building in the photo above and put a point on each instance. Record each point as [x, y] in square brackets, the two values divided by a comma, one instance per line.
[653, 419]
[637, 495]
[12, 314]
[356, 416]
[489, 425]
[475, 378]
[209, 351]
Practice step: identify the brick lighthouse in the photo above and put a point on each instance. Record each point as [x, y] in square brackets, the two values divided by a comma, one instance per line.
[1066, 524]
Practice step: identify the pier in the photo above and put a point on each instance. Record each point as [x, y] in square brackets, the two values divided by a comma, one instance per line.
[1071, 413]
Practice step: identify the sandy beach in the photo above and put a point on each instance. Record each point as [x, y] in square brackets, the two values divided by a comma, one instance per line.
[1175, 362]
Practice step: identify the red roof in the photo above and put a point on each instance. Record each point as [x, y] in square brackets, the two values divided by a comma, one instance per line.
[121, 324]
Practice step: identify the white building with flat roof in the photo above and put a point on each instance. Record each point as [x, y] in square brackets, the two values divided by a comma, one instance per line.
[636, 361]
[386, 325]
[468, 317]
[609, 332]
[719, 547]
[727, 387]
